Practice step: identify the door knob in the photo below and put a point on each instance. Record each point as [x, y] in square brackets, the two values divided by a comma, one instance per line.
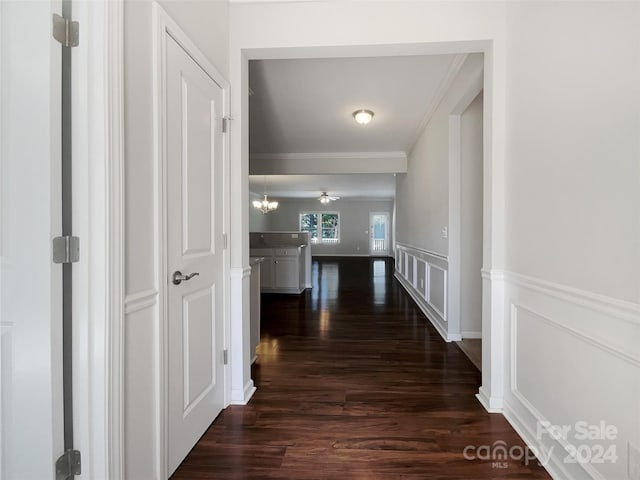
[177, 278]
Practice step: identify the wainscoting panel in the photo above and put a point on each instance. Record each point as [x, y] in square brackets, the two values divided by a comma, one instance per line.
[423, 274]
[141, 389]
[574, 361]
[400, 261]
[421, 277]
[438, 290]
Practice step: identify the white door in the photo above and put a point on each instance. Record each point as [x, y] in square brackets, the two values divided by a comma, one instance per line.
[194, 247]
[378, 234]
[31, 430]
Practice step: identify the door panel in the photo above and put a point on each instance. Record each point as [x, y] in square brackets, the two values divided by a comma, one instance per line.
[194, 229]
[198, 117]
[31, 392]
[287, 273]
[198, 352]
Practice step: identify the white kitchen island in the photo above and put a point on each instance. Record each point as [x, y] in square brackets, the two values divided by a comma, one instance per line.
[286, 267]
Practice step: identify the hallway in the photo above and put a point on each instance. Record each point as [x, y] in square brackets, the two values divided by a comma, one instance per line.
[354, 383]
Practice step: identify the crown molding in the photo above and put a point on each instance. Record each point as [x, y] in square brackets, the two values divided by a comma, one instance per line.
[279, 1]
[327, 163]
[329, 156]
[443, 88]
[343, 199]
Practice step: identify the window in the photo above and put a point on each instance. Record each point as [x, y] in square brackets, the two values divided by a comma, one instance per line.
[323, 226]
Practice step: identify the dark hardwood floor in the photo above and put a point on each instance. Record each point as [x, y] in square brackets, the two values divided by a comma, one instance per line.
[354, 383]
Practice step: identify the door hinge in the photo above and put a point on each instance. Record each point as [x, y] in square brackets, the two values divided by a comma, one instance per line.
[225, 241]
[65, 31]
[66, 249]
[225, 124]
[68, 465]
[225, 357]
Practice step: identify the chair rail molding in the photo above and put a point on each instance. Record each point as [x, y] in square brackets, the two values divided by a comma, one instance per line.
[415, 269]
[141, 300]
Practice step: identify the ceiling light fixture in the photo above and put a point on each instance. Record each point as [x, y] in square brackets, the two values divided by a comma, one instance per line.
[265, 206]
[363, 116]
[325, 198]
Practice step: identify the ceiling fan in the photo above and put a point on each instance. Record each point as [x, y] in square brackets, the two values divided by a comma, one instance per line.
[326, 198]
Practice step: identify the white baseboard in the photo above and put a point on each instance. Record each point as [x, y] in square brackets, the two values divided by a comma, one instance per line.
[490, 404]
[249, 390]
[550, 463]
[428, 312]
[471, 335]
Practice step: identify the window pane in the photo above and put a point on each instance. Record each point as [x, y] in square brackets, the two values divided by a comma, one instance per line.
[330, 226]
[379, 227]
[309, 223]
[329, 220]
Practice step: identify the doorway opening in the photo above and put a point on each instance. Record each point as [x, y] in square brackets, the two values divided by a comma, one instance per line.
[378, 234]
[469, 125]
[492, 318]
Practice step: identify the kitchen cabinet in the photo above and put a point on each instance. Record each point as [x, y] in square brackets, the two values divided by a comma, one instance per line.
[287, 272]
[280, 272]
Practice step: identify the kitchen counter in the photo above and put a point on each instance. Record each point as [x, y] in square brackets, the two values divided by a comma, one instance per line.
[255, 260]
[286, 267]
[282, 270]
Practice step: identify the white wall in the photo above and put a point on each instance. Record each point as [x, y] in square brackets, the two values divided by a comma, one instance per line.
[206, 23]
[573, 221]
[572, 181]
[561, 103]
[422, 195]
[471, 220]
[429, 200]
[354, 222]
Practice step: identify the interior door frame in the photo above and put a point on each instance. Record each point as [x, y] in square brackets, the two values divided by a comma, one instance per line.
[98, 186]
[454, 278]
[491, 392]
[387, 236]
[163, 26]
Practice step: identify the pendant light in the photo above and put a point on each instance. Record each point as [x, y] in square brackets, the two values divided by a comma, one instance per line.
[264, 205]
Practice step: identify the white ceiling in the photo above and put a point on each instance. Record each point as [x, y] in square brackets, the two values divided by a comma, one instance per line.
[370, 185]
[305, 106]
